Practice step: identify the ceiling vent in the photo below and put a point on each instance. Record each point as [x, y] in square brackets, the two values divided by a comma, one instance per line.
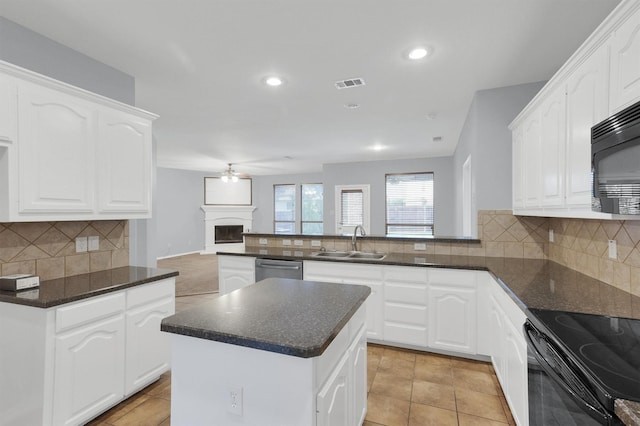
[437, 139]
[352, 82]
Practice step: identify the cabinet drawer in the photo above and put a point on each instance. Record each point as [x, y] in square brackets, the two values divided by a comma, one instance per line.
[357, 321]
[150, 292]
[459, 278]
[406, 314]
[401, 333]
[412, 294]
[90, 310]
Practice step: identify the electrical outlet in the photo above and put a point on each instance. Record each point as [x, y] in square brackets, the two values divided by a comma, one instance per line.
[263, 241]
[316, 243]
[419, 246]
[298, 253]
[235, 400]
[94, 243]
[298, 242]
[613, 249]
[263, 251]
[81, 244]
[550, 235]
[286, 252]
[286, 242]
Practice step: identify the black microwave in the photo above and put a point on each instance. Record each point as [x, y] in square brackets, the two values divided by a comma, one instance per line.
[615, 163]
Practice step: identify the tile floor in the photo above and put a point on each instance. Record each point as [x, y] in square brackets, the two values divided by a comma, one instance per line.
[405, 388]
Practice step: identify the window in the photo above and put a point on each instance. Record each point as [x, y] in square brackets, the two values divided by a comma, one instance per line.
[311, 208]
[284, 202]
[409, 200]
[352, 208]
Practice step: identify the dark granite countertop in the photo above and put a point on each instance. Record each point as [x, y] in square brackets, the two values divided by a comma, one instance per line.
[77, 287]
[532, 283]
[292, 317]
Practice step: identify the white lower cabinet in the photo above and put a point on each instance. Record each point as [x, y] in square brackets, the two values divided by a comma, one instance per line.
[351, 273]
[332, 403]
[235, 272]
[89, 371]
[509, 350]
[86, 356]
[405, 305]
[358, 372]
[452, 310]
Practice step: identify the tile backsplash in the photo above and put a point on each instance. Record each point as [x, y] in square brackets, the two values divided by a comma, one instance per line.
[580, 244]
[48, 249]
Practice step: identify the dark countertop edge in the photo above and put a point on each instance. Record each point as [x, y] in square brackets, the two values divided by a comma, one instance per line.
[300, 352]
[628, 411]
[444, 239]
[9, 297]
[351, 260]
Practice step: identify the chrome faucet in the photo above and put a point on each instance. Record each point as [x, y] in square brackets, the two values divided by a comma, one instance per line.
[354, 243]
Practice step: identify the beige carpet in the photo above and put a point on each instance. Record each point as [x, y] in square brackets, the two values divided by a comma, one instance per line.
[198, 273]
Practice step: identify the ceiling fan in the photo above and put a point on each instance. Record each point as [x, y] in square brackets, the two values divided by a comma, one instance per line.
[231, 175]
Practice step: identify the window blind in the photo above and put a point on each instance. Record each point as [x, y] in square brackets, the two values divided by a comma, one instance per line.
[351, 207]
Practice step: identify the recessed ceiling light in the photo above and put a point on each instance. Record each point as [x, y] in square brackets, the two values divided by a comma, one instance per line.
[273, 81]
[418, 53]
[352, 106]
[437, 139]
[431, 116]
[378, 147]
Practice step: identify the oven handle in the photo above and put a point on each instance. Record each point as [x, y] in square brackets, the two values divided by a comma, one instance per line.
[594, 407]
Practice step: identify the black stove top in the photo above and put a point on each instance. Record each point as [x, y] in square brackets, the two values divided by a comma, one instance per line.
[607, 349]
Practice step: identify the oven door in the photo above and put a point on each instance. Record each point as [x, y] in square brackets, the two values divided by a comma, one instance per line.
[558, 395]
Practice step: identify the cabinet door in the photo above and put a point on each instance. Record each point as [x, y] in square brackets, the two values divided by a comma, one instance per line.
[148, 352]
[498, 334]
[552, 144]
[515, 352]
[332, 402]
[235, 272]
[531, 160]
[625, 64]
[452, 310]
[89, 371]
[517, 168]
[57, 141]
[405, 305]
[587, 104]
[124, 159]
[358, 385]
[8, 109]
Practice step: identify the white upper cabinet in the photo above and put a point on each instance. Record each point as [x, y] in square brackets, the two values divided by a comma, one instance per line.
[587, 104]
[552, 135]
[552, 144]
[531, 163]
[56, 151]
[625, 64]
[124, 158]
[68, 154]
[518, 169]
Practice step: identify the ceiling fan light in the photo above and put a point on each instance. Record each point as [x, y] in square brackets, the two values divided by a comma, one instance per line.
[234, 178]
[225, 178]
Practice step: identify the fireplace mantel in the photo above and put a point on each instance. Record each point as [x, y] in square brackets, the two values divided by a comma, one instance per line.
[225, 215]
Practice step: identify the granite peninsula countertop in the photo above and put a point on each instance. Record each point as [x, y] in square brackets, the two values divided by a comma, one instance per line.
[77, 287]
[291, 317]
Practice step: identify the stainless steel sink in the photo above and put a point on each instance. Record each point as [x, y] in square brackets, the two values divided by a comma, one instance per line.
[337, 254]
[364, 255]
[350, 255]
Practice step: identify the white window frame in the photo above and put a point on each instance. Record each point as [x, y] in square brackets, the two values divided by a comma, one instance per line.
[366, 208]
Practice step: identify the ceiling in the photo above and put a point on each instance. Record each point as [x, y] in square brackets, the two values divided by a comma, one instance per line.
[201, 65]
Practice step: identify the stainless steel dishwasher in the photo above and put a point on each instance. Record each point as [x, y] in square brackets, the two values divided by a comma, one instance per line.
[271, 268]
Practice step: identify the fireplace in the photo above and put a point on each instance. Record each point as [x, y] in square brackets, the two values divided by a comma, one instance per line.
[224, 226]
[225, 234]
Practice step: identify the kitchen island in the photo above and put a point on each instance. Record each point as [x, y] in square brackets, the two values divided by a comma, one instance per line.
[280, 352]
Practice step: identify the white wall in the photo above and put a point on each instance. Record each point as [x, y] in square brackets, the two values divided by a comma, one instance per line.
[486, 138]
[373, 173]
